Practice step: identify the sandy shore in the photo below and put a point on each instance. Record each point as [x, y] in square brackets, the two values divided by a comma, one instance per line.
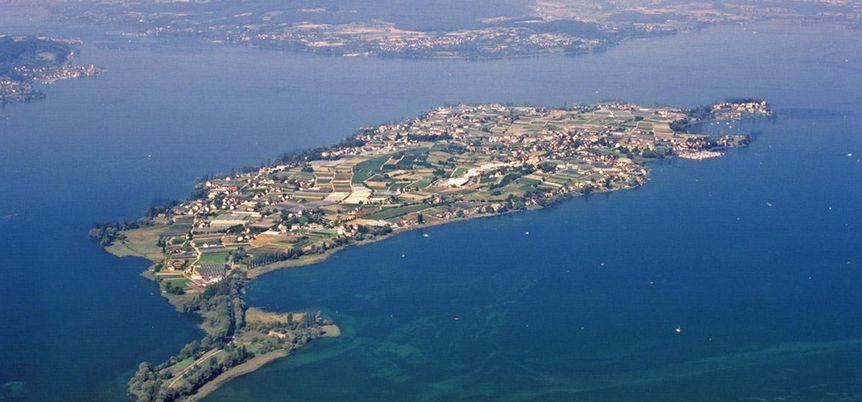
[331, 331]
[234, 372]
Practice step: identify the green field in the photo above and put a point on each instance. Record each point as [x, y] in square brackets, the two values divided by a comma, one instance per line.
[181, 282]
[396, 212]
[423, 183]
[213, 258]
[141, 242]
[364, 170]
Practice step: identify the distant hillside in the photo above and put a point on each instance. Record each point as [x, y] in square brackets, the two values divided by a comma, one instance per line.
[25, 60]
[19, 54]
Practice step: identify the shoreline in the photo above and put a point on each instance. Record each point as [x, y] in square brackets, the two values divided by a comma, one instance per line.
[248, 367]
[329, 330]
[313, 259]
[575, 164]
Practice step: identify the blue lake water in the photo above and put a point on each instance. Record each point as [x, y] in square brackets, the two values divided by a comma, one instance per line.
[768, 299]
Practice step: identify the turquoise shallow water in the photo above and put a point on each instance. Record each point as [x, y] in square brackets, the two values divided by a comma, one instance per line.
[767, 298]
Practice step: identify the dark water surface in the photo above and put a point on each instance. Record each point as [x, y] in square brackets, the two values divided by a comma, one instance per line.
[585, 307]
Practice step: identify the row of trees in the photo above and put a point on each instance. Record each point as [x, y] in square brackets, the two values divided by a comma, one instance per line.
[260, 259]
[222, 307]
[364, 232]
[149, 384]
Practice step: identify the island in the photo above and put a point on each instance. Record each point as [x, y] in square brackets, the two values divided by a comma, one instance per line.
[451, 163]
[25, 60]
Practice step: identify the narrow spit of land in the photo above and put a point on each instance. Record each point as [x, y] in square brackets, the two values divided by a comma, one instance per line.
[452, 163]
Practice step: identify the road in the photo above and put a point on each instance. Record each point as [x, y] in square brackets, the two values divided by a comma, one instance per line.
[200, 360]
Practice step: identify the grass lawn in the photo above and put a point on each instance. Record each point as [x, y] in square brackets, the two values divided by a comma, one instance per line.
[181, 365]
[140, 242]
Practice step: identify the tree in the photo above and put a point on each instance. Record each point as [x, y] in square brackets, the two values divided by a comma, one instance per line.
[173, 289]
[143, 373]
[548, 167]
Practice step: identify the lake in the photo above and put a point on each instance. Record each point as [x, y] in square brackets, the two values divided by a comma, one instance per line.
[768, 299]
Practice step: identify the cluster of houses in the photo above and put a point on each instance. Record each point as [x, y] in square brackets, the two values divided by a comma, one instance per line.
[68, 72]
[739, 109]
[15, 91]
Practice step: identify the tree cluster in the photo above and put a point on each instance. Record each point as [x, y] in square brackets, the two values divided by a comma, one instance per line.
[107, 233]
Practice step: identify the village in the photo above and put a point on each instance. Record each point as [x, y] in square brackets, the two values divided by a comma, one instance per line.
[451, 163]
[46, 60]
